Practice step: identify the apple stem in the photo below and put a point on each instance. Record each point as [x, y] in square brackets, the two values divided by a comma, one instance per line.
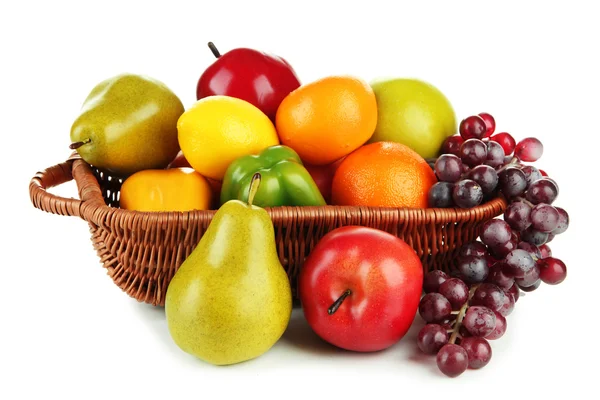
[214, 49]
[76, 145]
[336, 304]
[253, 187]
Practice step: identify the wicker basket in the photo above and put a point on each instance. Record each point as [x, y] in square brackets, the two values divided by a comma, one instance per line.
[142, 250]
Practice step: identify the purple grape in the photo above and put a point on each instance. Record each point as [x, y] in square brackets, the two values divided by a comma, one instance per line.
[545, 251]
[467, 194]
[530, 288]
[495, 154]
[532, 174]
[448, 168]
[472, 269]
[479, 321]
[495, 232]
[544, 218]
[488, 295]
[550, 237]
[509, 304]
[433, 279]
[531, 277]
[512, 182]
[473, 152]
[434, 307]
[501, 250]
[500, 327]
[479, 351]
[563, 221]
[543, 190]
[456, 291]
[517, 215]
[486, 177]
[514, 292]
[452, 360]
[431, 338]
[473, 248]
[440, 195]
[532, 236]
[532, 249]
[499, 278]
[529, 149]
[518, 263]
[552, 270]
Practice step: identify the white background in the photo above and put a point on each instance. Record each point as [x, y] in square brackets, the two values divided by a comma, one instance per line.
[68, 332]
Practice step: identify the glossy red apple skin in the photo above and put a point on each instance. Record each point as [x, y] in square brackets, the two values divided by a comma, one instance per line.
[385, 277]
[260, 78]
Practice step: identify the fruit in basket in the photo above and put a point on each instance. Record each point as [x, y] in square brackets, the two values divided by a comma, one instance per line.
[383, 174]
[414, 113]
[360, 288]
[230, 301]
[217, 130]
[285, 181]
[261, 79]
[181, 162]
[176, 189]
[323, 177]
[327, 119]
[128, 123]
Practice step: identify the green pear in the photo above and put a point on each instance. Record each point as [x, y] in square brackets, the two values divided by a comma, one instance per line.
[230, 300]
[414, 113]
[128, 123]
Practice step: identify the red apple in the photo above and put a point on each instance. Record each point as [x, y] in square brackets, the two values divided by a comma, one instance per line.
[323, 177]
[259, 78]
[360, 288]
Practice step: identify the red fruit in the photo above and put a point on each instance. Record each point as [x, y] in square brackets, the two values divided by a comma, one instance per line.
[360, 288]
[529, 149]
[452, 145]
[543, 172]
[472, 127]
[323, 177]
[179, 161]
[506, 141]
[490, 124]
[552, 270]
[259, 78]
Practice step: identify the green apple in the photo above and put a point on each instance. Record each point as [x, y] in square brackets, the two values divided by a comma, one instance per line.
[414, 113]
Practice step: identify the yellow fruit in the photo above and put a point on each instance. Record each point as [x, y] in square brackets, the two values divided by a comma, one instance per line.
[216, 130]
[177, 189]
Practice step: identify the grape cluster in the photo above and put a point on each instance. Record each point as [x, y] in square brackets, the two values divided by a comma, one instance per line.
[475, 165]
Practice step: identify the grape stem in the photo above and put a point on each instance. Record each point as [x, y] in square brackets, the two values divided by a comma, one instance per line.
[461, 315]
[524, 200]
[513, 161]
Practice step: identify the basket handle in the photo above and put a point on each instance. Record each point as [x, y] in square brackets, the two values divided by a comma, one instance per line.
[57, 175]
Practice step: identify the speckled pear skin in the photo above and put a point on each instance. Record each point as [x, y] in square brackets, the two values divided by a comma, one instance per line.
[230, 301]
[131, 122]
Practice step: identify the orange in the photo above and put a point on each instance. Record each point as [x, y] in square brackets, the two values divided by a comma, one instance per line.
[383, 174]
[327, 119]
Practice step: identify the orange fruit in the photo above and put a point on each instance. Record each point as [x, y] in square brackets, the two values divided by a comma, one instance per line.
[327, 119]
[383, 174]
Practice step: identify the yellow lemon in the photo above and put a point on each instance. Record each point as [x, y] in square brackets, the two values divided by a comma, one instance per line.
[216, 130]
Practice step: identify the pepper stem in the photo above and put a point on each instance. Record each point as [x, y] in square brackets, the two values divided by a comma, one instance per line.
[336, 304]
[76, 145]
[253, 187]
[214, 49]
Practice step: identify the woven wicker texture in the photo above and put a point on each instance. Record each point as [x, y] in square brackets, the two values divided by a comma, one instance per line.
[141, 251]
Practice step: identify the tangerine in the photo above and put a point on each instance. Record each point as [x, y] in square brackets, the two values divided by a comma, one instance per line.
[383, 174]
[327, 119]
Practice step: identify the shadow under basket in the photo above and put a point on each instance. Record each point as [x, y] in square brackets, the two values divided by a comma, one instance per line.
[141, 251]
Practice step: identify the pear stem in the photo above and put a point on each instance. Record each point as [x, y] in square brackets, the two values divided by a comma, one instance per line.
[214, 49]
[336, 304]
[253, 188]
[76, 145]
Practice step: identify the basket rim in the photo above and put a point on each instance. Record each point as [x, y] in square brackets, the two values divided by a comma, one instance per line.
[92, 207]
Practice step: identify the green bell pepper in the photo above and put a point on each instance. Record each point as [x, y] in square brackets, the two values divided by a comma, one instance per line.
[284, 180]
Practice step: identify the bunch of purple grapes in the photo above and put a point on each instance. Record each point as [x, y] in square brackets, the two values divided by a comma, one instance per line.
[468, 308]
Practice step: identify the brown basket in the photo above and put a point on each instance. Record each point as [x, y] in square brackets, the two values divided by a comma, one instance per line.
[142, 250]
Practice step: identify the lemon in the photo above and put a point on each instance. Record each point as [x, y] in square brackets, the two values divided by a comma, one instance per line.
[216, 130]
